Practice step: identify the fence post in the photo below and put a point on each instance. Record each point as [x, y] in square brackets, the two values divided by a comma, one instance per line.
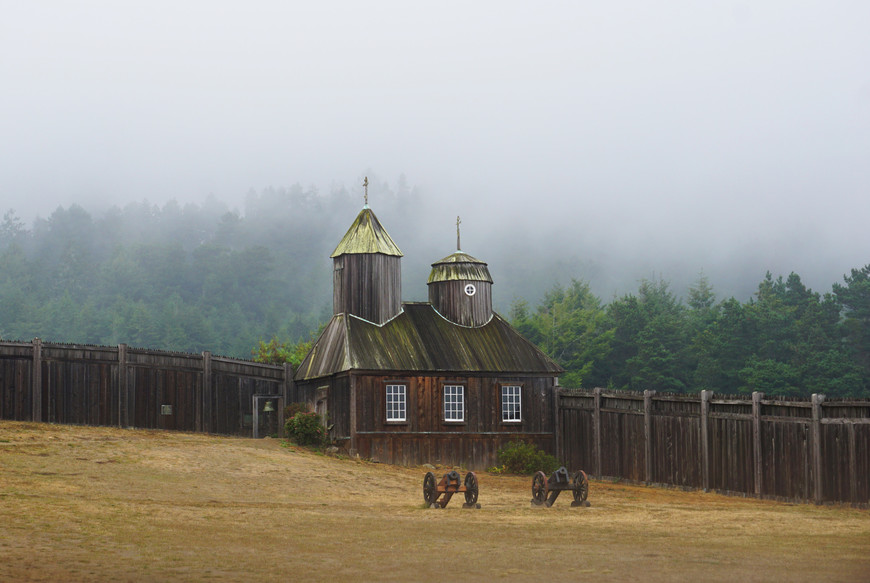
[288, 382]
[123, 395]
[853, 463]
[206, 392]
[596, 416]
[36, 382]
[705, 440]
[557, 410]
[817, 401]
[647, 434]
[756, 439]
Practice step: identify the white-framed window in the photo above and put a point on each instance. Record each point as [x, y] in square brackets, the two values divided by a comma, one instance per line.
[397, 403]
[511, 403]
[454, 403]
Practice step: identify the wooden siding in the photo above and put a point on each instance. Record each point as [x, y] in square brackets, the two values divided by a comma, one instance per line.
[338, 395]
[675, 425]
[368, 286]
[576, 432]
[16, 366]
[789, 449]
[426, 438]
[622, 438]
[468, 451]
[451, 301]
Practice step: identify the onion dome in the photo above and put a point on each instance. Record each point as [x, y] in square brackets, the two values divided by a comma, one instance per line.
[460, 289]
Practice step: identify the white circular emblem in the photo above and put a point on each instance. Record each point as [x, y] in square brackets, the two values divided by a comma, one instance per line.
[470, 290]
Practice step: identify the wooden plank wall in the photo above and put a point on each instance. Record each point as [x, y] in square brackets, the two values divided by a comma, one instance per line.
[16, 365]
[793, 449]
[368, 285]
[780, 448]
[426, 438]
[120, 386]
[577, 429]
[675, 435]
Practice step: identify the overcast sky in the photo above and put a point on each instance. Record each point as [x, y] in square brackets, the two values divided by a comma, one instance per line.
[709, 134]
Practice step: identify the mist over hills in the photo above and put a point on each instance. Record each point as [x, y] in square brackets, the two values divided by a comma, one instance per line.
[612, 311]
[527, 255]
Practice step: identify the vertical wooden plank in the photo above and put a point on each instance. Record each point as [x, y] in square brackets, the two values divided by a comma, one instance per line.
[36, 384]
[123, 396]
[853, 464]
[287, 389]
[205, 420]
[705, 440]
[647, 434]
[255, 417]
[596, 423]
[353, 438]
[241, 406]
[557, 408]
[92, 379]
[756, 439]
[817, 401]
[198, 390]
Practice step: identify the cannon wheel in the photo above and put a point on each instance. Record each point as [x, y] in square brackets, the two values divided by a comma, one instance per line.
[581, 486]
[539, 488]
[470, 488]
[429, 489]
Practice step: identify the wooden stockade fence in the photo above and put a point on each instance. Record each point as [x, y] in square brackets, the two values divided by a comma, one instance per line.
[150, 389]
[812, 450]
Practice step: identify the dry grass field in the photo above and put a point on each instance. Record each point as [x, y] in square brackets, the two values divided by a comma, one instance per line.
[102, 504]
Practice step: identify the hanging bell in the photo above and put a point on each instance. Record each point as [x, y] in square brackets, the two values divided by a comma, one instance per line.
[269, 407]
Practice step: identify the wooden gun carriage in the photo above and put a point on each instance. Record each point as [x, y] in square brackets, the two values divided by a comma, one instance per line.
[545, 490]
[438, 495]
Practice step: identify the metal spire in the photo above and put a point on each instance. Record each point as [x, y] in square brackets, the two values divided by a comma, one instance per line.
[458, 248]
[366, 185]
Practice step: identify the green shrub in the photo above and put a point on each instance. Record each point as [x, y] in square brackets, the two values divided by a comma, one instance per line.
[305, 429]
[518, 457]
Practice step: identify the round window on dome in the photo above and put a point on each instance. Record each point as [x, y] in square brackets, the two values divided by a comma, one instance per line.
[470, 290]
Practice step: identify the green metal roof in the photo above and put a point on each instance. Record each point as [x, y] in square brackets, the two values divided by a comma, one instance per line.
[459, 266]
[419, 339]
[366, 235]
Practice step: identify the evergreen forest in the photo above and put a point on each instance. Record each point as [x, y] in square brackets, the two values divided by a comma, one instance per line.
[206, 277]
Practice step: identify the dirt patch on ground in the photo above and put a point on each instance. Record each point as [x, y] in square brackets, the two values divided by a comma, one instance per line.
[85, 504]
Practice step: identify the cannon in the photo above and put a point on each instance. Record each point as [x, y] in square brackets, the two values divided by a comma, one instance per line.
[546, 490]
[438, 495]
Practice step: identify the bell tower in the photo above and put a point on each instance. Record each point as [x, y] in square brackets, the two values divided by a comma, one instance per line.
[367, 270]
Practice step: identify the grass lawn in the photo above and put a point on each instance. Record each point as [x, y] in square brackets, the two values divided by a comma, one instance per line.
[104, 504]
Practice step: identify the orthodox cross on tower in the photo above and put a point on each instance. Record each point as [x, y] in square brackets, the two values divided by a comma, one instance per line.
[458, 248]
[366, 185]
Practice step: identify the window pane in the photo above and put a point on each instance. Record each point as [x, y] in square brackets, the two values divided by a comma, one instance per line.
[454, 403]
[511, 403]
[396, 402]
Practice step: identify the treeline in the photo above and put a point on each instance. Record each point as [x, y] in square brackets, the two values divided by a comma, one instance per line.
[186, 278]
[207, 277]
[787, 340]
